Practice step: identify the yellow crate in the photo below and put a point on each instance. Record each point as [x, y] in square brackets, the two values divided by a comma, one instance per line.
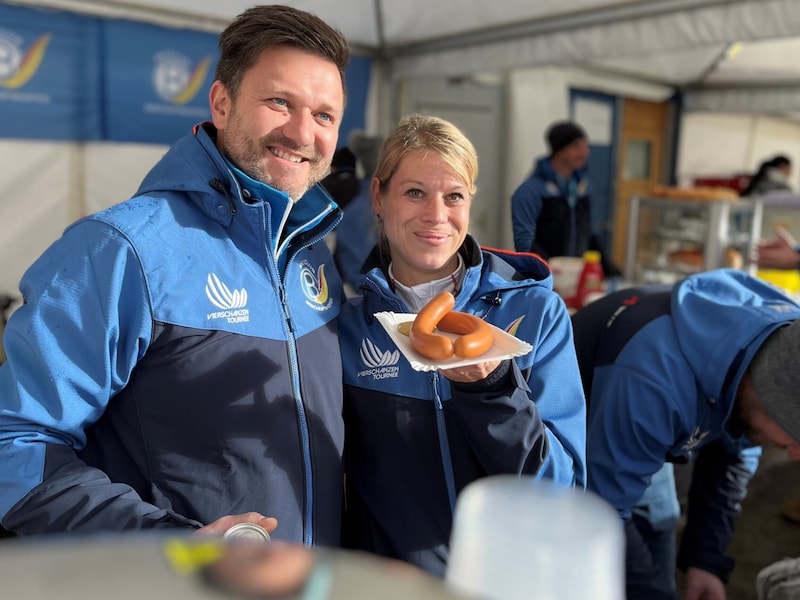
[788, 280]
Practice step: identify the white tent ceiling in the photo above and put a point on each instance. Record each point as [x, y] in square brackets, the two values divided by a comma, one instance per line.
[744, 51]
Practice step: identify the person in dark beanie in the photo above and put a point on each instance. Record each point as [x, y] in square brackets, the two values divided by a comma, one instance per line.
[705, 370]
[551, 209]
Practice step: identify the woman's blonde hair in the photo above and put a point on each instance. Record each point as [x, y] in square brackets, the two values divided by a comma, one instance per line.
[436, 135]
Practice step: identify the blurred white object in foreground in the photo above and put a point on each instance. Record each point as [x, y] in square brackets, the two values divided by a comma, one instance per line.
[779, 581]
[518, 538]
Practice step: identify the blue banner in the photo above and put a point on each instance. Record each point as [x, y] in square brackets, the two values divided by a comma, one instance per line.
[71, 77]
[156, 81]
[49, 82]
[357, 78]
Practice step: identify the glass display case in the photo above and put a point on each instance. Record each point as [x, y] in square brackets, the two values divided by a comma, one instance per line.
[669, 238]
[780, 209]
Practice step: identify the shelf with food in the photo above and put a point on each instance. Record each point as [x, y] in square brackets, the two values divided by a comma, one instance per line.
[659, 276]
[681, 235]
[678, 237]
[672, 267]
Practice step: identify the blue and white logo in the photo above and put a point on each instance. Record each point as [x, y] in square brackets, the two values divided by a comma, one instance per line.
[232, 303]
[381, 364]
[373, 357]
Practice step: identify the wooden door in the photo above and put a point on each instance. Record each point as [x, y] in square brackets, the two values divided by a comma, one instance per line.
[641, 154]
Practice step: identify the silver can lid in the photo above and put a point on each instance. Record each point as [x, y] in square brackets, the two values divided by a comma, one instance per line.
[247, 531]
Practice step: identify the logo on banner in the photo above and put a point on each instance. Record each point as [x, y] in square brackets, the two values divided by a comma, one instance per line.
[175, 79]
[17, 65]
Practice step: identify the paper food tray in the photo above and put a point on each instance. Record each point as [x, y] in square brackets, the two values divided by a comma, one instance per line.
[505, 345]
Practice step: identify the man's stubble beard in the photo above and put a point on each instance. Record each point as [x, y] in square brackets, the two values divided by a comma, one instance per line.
[248, 155]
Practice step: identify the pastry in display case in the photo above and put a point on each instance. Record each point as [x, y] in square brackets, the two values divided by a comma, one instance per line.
[684, 230]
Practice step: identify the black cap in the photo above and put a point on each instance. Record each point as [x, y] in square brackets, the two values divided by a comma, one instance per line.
[562, 134]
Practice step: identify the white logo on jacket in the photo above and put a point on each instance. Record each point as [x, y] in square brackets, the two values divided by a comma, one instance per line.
[695, 439]
[232, 304]
[380, 364]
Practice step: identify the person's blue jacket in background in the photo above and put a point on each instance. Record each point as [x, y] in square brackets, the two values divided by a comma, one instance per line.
[550, 215]
[356, 235]
[414, 439]
[661, 367]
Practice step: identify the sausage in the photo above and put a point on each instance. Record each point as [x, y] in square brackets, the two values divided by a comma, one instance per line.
[476, 336]
[432, 345]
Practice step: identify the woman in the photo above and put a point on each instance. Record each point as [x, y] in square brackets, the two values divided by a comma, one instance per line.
[772, 176]
[415, 439]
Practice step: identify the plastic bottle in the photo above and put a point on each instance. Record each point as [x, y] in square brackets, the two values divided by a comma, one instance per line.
[516, 538]
[591, 280]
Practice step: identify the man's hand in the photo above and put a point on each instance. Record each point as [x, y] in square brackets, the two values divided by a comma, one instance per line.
[702, 585]
[221, 525]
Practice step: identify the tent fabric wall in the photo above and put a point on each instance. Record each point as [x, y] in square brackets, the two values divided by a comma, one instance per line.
[50, 185]
[36, 203]
[113, 172]
[625, 43]
[729, 144]
[784, 100]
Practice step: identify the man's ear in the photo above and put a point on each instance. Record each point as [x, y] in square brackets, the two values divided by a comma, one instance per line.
[219, 101]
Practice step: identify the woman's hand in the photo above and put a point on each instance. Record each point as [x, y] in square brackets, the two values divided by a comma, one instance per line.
[471, 373]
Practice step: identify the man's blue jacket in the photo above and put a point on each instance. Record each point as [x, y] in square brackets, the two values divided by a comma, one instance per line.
[165, 370]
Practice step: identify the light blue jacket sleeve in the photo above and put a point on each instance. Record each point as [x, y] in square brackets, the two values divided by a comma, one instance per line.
[71, 346]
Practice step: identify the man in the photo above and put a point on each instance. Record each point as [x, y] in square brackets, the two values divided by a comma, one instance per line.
[551, 210]
[174, 363]
[705, 368]
[781, 253]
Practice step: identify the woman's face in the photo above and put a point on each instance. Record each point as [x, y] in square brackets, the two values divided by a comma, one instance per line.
[425, 212]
